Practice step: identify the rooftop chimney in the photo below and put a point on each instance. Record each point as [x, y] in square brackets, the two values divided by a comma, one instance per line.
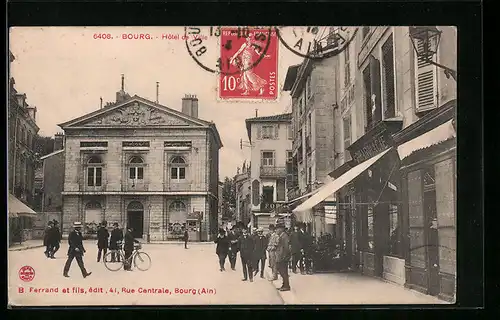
[101, 102]
[190, 105]
[32, 112]
[122, 95]
[58, 141]
[256, 113]
[157, 92]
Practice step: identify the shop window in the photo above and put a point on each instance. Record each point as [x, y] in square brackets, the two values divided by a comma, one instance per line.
[94, 172]
[178, 168]
[394, 232]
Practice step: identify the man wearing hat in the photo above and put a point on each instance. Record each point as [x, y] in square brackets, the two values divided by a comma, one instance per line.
[271, 249]
[55, 238]
[246, 247]
[47, 239]
[128, 248]
[76, 250]
[102, 240]
[233, 247]
[114, 242]
[260, 252]
[283, 255]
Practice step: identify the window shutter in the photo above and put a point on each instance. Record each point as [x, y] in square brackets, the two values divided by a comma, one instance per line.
[277, 131]
[375, 88]
[259, 132]
[426, 88]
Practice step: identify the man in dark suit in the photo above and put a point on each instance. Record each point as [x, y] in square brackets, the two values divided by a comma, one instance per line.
[128, 248]
[185, 237]
[260, 252]
[55, 239]
[115, 242]
[76, 250]
[233, 247]
[296, 244]
[47, 239]
[246, 247]
[222, 249]
[102, 240]
[283, 256]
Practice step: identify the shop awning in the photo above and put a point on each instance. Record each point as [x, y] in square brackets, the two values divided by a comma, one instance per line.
[17, 208]
[432, 137]
[304, 209]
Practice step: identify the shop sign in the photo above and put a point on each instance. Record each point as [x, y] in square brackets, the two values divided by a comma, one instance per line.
[273, 207]
[348, 99]
[371, 149]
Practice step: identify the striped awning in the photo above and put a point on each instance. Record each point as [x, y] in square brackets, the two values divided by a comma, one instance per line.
[17, 208]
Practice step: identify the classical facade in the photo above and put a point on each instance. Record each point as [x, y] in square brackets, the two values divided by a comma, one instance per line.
[394, 184]
[142, 164]
[271, 158]
[22, 160]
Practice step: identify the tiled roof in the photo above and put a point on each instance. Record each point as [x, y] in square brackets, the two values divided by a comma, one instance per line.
[277, 117]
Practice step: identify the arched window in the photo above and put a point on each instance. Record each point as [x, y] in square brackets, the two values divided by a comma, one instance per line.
[94, 171]
[136, 169]
[135, 206]
[178, 168]
[177, 206]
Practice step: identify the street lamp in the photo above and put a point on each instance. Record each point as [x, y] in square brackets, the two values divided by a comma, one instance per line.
[148, 236]
[425, 40]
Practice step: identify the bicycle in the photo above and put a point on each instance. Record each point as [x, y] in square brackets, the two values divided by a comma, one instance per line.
[142, 260]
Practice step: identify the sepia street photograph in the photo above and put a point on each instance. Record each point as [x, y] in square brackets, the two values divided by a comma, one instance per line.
[232, 165]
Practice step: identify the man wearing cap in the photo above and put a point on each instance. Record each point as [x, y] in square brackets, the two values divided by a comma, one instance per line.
[283, 256]
[246, 248]
[260, 252]
[114, 242]
[76, 250]
[102, 240]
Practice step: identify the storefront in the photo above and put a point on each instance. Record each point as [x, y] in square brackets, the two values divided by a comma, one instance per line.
[427, 150]
[20, 221]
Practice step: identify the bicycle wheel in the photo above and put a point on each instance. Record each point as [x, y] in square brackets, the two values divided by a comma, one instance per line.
[142, 261]
[113, 265]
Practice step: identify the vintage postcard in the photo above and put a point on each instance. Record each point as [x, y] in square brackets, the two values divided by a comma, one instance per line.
[223, 165]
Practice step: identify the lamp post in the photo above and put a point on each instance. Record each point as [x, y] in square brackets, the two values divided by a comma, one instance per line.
[425, 40]
[148, 236]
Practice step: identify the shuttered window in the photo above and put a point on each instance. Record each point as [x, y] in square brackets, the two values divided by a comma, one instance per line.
[388, 78]
[368, 94]
[375, 90]
[347, 67]
[280, 190]
[426, 88]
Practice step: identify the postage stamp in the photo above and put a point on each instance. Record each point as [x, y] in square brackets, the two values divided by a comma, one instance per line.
[249, 58]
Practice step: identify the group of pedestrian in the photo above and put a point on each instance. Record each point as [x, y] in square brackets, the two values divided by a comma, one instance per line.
[52, 239]
[254, 249]
[113, 241]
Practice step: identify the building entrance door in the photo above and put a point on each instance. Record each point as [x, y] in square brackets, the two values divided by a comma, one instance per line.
[431, 231]
[193, 228]
[135, 218]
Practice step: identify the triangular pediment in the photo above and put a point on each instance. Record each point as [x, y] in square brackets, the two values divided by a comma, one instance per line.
[135, 112]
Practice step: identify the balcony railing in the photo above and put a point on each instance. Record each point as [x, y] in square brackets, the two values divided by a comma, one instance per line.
[135, 186]
[88, 188]
[273, 172]
[178, 186]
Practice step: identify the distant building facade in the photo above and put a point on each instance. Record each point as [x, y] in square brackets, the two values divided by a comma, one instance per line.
[145, 165]
[243, 194]
[271, 156]
[22, 160]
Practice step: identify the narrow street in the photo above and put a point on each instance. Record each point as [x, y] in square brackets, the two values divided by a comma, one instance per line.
[172, 267]
[195, 268]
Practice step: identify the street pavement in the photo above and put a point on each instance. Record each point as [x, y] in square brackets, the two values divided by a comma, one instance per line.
[195, 269]
[173, 267]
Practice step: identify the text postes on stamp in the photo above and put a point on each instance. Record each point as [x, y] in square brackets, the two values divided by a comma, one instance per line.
[315, 42]
[203, 45]
[249, 64]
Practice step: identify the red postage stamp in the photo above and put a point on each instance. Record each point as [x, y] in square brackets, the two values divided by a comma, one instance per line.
[250, 57]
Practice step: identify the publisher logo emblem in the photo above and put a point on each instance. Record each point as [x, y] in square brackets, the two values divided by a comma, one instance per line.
[26, 273]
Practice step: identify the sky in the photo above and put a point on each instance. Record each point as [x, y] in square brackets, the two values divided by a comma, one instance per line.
[64, 71]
